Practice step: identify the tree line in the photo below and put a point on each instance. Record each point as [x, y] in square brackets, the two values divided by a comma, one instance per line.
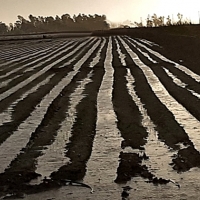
[33, 24]
[156, 21]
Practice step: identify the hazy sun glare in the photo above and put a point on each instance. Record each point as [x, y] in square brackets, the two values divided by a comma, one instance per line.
[188, 8]
[115, 10]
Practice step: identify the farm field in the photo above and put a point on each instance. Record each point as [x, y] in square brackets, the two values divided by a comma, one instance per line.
[97, 118]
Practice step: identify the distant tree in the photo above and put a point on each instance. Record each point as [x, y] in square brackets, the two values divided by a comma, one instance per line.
[22, 25]
[169, 21]
[67, 22]
[180, 17]
[10, 27]
[157, 21]
[3, 28]
[138, 24]
[149, 22]
[35, 24]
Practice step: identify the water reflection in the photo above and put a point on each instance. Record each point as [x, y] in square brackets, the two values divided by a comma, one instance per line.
[106, 146]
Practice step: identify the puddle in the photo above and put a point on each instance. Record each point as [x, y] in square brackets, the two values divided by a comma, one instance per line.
[54, 156]
[21, 137]
[27, 56]
[80, 47]
[181, 67]
[47, 52]
[34, 76]
[190, 124]
[6, 115]
[103, 162]
[180, 83]
[148, 42]
[97, 58]
[55, 153]
[144, 53]
[159, 154]
[121, 55]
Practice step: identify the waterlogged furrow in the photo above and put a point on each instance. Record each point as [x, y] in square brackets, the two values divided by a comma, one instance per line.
[8, 112]
[184, 81]
[176, 80]
[74, 58]
[30, 79]
[107, 142]
[67, 46]
[29, 56]
[6, 82]
[6, 66]
[144, 53]
[54, 156]
[47, 55]
[128, 115]
[121, 55]
[184, 118]
[28, 60]
[97, 58]
[181, 67]
[85, 57]
[20, 52]
[180, 83]
[148, 42]
[22, 135]
[159, 154]
[12, 61]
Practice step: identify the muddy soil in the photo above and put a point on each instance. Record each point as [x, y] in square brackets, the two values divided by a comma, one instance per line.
[115, 114]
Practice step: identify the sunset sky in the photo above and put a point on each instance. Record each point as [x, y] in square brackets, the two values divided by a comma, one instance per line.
[115, 10]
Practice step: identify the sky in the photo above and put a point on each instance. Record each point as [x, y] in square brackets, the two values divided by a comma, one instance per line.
[115, 10]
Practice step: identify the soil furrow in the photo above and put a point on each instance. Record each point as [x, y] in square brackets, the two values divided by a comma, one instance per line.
[6, 66]
[130, 127]
[111, 113]
[54, 155]
[165, 121]
[188, 77]
[156, 154]
[131, 160]
[32, 100]
[10, 109]
[181, 94]
[27, 58]
[129, 120]
[32, 77]
[75, 112]
[54, 49]
[157, 55]
[21, 67]
[39, 65]
[106, 145]
[84, 126]
[46, 131]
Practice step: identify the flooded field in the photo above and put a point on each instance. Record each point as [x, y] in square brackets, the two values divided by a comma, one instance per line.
[97, 118]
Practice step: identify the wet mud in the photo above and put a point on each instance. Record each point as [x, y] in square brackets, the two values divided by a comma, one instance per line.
[100, 109]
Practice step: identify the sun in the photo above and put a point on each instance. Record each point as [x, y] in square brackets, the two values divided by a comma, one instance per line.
[188, 8]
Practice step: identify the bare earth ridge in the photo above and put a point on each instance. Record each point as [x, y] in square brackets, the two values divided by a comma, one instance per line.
[101, 117]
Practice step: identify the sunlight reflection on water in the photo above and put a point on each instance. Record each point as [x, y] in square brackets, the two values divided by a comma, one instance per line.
[106, 146]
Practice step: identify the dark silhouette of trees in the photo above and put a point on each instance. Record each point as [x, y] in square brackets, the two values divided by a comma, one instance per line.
[3, 28]
[33, 24]
[80, 22]
[155, 21]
